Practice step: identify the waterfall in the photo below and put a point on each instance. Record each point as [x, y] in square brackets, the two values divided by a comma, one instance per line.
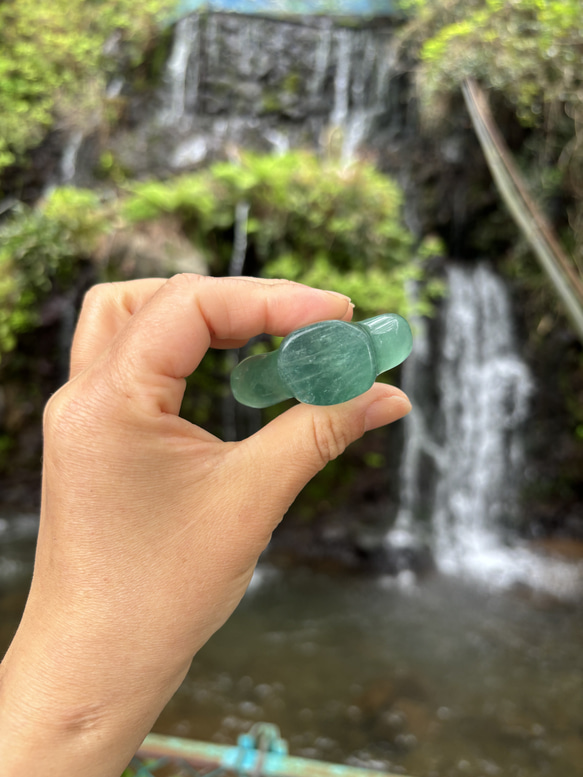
[463, 459]
[484, 387]
[342, 79]
[364, 66]
[67, 170]
[69, 159]
[422, 456]
[236, 417]
[271, 84]
[321, 60]
[182, 72]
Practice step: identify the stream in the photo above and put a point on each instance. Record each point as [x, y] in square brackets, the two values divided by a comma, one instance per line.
[432, 679]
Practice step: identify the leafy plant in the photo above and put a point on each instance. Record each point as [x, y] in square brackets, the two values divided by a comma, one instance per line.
[54, 61]
[39, 247]
[529, 53]
[318, 221]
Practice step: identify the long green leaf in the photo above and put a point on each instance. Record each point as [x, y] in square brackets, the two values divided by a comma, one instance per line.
[526, 213]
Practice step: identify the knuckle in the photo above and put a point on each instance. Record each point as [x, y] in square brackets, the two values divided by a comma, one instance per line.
[96, 294]
[184, 280]
[330, 437]
[179, 280]
[59, 415]
[69, 413]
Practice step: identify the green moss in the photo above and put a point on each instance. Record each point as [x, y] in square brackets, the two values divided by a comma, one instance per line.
[41, 247]
[528, 54]
[292, 83]
[316, 221]
[53, 61]
[109, 168]
[271, 102]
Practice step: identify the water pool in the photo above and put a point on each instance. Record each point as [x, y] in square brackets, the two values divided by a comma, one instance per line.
[441, 679]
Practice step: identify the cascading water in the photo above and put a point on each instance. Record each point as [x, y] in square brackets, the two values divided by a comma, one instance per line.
[67, 169]
[361, 86]
[422, 456]
[68, 166]
[463, 459]
[236, 266]
[322, 54]
[270, 83]
[182, 72]
[344, 42]
[484, 387]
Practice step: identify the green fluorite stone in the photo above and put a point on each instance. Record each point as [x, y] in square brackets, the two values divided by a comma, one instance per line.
[324, 363]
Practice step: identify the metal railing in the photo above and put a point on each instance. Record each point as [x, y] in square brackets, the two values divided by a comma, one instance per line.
[260, 753]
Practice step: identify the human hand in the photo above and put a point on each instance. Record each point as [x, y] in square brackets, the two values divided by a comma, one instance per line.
[150, 526]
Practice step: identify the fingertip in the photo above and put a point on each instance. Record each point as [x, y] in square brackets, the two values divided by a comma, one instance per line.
[386, 409]
[294, 446]
[349, 312]
[342, 306]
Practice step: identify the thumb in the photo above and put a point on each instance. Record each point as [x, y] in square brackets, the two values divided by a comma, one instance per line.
[291, 449]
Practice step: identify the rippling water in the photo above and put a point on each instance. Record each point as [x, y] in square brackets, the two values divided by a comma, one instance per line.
[436, 680]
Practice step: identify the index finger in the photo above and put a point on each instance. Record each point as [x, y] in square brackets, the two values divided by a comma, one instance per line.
[106, 309]
[166, 339]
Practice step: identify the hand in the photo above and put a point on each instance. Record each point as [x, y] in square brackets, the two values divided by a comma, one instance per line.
[151, 527]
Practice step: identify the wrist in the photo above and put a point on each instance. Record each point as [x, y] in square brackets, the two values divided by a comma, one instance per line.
[61, 713]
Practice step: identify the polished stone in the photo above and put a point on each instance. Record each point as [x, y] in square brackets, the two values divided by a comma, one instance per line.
[324, 363]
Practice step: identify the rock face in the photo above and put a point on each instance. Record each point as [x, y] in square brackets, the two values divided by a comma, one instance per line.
[266, 84]
[231, 81]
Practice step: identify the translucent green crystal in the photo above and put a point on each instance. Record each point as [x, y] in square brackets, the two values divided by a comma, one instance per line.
[324, 363]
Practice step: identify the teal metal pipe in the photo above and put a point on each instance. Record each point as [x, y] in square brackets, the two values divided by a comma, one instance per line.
[247, 760]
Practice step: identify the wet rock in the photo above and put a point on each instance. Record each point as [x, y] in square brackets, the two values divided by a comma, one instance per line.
[247, 80]
[397, 711]
[386, 693]
[418, 717]
[377, 696]
[566, 548]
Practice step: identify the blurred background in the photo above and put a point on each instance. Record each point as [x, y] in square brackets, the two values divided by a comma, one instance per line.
[420, 609]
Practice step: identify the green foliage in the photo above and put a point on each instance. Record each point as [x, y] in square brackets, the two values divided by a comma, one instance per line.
[311, 220]
[53, 61]
[529, 52]
[372, 291]
[7, 444]
[198, 199]
[532, 50]
[39, 247]
[320, 222]
[375, 460]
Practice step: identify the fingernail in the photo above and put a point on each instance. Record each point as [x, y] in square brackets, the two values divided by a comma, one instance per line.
[338, 294]
[385, 411]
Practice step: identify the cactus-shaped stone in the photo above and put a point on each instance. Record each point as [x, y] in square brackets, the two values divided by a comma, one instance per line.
[324, 363]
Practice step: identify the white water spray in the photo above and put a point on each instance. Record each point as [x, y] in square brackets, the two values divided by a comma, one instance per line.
[467, 439]
[182, 84]
[484, 388]
[345, 79]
